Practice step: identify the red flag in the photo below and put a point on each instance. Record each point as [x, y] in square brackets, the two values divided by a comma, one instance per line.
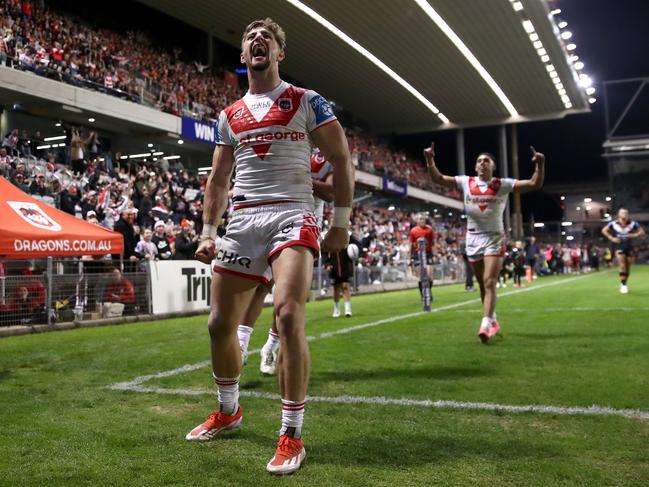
[231, 79]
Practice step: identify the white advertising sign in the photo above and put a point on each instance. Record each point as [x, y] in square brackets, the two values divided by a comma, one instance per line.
[180, 285]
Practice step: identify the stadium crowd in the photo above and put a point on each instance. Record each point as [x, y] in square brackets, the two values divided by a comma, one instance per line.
[37, 39]
[162, 196]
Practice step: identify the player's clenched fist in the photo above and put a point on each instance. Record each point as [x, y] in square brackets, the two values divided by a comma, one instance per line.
[206, 251]
[336, 240]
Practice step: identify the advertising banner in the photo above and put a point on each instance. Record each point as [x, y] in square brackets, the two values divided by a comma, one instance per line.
[199, 131]
[180, 285]
[392, 186]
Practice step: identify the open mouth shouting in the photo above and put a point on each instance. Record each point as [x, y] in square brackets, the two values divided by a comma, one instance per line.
[258, 52]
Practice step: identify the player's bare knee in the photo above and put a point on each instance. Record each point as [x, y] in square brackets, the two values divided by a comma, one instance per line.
[490, 283]
[217, 326]
[287, 313]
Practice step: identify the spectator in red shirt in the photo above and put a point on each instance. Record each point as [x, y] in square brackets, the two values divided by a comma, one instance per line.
[421, 230]
[119, 289]
[27, 9]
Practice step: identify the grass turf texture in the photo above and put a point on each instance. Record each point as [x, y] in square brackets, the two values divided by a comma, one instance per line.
[563, 345]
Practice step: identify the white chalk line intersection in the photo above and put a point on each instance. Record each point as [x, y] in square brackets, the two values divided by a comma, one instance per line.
[136, 385]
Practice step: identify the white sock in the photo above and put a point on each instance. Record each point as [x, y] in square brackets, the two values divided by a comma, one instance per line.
[348, 307]
[336, 306]
[244, 332]
[272, 343]
[493, 316]
[486, 322]
[292, 418]
[227, 393]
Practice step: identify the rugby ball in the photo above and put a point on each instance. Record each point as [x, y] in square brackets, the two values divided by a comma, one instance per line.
[353, 251]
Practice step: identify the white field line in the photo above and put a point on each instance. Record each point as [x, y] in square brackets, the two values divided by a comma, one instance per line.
[133, 385]
[136, 385]
[424, 403]
[558, 310]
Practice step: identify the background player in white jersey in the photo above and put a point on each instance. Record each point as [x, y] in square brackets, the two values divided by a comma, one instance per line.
[621, 232]
[272, 232]
[485, 198]
[322, 180]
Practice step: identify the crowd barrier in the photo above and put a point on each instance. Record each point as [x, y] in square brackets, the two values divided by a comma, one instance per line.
[50, 291]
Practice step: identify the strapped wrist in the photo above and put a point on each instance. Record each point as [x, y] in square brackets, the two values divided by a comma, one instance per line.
[342, 216]
[209, 231]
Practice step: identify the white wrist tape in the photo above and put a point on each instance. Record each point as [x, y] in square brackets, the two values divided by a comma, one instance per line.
[209, 231]
[342, 216]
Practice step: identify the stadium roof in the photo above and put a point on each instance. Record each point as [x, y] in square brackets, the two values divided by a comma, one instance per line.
[475, 62]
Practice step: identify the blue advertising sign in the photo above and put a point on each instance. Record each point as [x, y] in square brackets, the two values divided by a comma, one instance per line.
[200, 131]
[392, 186]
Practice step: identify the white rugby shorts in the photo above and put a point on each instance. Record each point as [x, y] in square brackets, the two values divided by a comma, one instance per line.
[256, 234]
[488, 243]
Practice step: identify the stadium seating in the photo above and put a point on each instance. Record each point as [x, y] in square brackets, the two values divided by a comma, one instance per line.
[129, 66]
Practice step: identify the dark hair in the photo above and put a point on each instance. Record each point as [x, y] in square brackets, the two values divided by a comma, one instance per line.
[269, 24]
[490, 155]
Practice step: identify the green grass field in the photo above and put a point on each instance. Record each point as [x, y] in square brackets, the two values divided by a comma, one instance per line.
[568, 342]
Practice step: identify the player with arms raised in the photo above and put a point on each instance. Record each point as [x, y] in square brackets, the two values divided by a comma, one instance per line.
[621, 231]
[272, 233]
[485, 198]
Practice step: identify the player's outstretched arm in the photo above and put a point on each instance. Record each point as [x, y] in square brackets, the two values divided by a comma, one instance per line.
[215, 200]
[435, 174]
[330, 139]
[536, 181]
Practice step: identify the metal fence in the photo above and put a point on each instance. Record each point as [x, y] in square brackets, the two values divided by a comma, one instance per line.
[391, 277]
[46, 291]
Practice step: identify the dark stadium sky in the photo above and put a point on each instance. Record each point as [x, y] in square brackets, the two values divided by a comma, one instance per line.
[611, 38]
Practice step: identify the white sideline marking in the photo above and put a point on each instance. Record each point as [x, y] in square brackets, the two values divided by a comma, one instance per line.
[426, 403]
[558, 310]
[134, 385]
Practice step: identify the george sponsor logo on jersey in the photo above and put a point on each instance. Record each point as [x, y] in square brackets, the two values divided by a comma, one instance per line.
[34, 215]
[285, 104]
[289, 135]
[322, 109]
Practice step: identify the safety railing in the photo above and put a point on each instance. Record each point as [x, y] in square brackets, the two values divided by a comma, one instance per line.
[390, 277]
[49, 291]
[63, 290]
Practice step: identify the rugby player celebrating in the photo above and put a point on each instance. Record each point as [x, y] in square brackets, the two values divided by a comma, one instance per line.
[273, 232]
[485, 198]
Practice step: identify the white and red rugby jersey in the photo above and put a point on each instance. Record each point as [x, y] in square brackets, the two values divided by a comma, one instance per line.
[484, 202]
[320, 169]
[272, 147]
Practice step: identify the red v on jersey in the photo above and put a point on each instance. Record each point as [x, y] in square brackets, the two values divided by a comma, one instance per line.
[492, 189]
[280, 114]
[261, 150]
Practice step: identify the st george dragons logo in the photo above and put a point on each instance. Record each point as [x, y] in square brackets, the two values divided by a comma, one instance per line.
[34, 215]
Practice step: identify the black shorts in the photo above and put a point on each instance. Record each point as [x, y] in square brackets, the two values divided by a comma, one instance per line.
[624, 247]
[339, 279]
[429, 259]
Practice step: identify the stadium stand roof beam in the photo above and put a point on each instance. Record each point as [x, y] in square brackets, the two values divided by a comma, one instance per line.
[512, 84]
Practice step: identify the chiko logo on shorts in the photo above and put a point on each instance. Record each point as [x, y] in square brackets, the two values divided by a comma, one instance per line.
[34, 215]
[232, 258]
